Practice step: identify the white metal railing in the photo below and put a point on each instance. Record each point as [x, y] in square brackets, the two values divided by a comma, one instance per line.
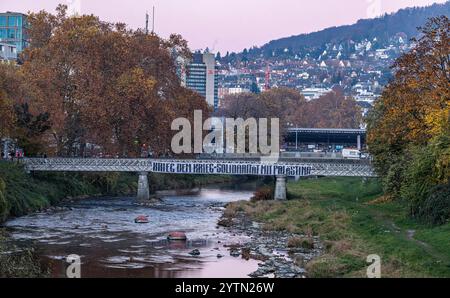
[225, 167]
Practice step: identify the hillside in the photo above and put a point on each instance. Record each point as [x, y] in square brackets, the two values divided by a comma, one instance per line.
[404, 22]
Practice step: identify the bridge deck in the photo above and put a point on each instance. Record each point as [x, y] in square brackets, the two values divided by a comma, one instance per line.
[356, 168]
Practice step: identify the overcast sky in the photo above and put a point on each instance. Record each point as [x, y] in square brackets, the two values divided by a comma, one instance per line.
[226, 25]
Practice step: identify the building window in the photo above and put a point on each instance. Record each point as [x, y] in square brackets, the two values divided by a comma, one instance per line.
[2, 21]
[11, 33]
[3, 34]
[12, 21]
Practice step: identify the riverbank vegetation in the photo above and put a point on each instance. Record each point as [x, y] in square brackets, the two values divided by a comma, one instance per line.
[18, 263]
[22, 193]
[353, 219]
[409, 128]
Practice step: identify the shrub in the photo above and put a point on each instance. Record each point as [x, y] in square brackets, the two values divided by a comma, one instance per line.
[435, 210]
[394, 178]
[19, 263]
[263, 194]
[426, 179]
[3, 204]
[301, 242]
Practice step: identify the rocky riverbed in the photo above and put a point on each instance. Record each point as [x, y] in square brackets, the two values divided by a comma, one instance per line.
[282, 254]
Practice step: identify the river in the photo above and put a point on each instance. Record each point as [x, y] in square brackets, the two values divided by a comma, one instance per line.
[103, 233]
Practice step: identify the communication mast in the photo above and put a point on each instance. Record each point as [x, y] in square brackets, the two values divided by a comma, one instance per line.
[147, 20]
[153, 21]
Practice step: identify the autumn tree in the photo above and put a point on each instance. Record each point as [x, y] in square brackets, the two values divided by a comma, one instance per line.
[16, 121]
[29, 129]
[409, 128]
[103, 84]
[333, 110]
[414, 107]
[7, 93]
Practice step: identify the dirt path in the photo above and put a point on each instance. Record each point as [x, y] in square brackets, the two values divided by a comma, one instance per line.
[407, 234]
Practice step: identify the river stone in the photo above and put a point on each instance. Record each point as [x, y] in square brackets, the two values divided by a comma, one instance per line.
[235, 253]
[257, 273]
[195, 252]
[299, 260]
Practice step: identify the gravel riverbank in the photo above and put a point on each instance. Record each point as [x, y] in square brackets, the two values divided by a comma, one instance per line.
[282, 254]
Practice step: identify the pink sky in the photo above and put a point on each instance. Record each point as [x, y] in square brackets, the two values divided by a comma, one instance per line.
[228, 25]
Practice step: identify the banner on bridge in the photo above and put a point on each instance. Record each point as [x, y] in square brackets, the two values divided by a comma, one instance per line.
[229, 168]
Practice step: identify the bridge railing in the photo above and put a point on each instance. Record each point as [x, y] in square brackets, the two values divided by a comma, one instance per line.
[196, 166]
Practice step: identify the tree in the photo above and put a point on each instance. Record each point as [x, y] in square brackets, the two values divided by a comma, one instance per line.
[333, 110]
[414, 107]
[409, 128]
[29, 129]
[254, 88]
[10, 80]
[6, 111]
[103, 84]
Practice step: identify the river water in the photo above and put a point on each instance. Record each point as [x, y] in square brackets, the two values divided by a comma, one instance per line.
[103, 233]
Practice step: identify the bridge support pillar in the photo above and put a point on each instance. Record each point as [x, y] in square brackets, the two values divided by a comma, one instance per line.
[280, 188]
[143, 193]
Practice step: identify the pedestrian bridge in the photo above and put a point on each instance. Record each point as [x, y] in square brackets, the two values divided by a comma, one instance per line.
[282, 169]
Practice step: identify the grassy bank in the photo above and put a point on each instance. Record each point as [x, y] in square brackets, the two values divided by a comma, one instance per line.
[354, 221]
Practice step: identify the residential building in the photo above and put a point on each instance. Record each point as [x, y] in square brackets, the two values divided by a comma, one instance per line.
[314, 93]
[232, 91]
[8, 52]
[202, 77]
[13, 30]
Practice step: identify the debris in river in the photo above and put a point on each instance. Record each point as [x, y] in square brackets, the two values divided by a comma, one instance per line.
[177, 236]
[142, 219]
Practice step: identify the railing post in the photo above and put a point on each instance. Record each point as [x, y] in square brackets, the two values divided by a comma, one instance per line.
[143, 193]
[280, 188]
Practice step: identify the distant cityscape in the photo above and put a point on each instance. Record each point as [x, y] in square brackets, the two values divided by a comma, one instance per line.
[360, 67]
